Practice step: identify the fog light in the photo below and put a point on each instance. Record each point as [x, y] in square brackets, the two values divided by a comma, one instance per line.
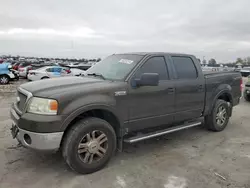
[27, 139]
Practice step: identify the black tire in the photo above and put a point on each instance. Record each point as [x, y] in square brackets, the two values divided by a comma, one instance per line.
[246, 96]
[74, 136]
[210, 120]
[45, 77]
[4, 79]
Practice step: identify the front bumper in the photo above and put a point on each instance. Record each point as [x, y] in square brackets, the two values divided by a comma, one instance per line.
[38, 132]
[33, 77]
[11, 75]
[39, 141]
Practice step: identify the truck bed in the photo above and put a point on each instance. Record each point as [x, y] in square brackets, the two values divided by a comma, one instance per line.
[215, 80]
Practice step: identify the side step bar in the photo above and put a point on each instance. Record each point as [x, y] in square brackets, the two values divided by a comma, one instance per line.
[161, 132]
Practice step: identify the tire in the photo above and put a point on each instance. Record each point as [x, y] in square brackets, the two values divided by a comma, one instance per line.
[211, 120]
[76, 135]
[246, 96]
[44, 78]
[4, 79]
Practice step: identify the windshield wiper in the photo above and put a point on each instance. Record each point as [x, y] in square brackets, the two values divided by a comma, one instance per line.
[96, 74]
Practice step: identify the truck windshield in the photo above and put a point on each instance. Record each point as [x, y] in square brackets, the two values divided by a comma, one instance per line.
[115, 67]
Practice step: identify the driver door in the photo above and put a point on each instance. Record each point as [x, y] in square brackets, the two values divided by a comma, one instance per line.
[151, 106]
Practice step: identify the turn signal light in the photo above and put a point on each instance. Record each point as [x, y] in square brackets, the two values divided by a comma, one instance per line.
[53, 105]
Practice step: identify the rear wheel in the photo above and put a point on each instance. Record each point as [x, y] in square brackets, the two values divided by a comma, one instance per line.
[89, 145]
[218, 119]
[4, 79]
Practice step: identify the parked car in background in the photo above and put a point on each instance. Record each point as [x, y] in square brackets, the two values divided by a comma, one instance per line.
[82, 66]
[23, 71]
[245, 72]
[39, 65]
[15, 65]
[48, 72]
[247, 90]
[237, 69]
[7, 74]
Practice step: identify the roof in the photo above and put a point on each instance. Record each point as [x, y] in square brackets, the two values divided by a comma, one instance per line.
[156, 53]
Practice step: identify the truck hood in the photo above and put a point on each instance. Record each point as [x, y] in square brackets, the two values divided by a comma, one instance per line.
[49, 87]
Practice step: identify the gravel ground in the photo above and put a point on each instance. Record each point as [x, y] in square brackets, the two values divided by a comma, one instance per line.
[11, 87]
[194, 158]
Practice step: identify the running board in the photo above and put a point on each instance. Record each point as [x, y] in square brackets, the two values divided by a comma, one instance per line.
[161, 132]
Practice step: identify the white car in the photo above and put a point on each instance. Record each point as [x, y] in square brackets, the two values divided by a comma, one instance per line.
[48, 72]
[23, 71]
[245, 72]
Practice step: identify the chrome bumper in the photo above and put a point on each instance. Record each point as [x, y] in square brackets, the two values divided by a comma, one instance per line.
[39, 141]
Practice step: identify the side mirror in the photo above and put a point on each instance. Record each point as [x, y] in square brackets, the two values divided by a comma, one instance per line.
[148, 79]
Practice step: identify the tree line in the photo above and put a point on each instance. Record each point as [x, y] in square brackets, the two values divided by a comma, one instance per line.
[213, 63]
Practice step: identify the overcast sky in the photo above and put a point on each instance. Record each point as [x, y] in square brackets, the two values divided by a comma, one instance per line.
[217, 29]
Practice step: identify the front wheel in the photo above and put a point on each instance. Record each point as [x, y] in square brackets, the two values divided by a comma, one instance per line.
[218, 119]
[89, 145]
[4, 79]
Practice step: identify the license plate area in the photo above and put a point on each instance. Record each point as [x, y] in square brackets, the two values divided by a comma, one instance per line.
[14, 130]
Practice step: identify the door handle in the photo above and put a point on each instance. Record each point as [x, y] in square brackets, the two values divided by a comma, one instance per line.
[200, 87]
[171, 90]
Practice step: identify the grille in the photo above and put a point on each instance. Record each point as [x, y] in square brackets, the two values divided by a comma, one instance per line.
[22, 101]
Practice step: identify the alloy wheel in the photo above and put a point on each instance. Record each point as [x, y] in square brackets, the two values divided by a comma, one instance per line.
[221, 116]
[93, 146]
[4, 80]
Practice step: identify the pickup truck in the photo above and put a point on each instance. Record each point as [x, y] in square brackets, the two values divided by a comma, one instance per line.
[124, 98]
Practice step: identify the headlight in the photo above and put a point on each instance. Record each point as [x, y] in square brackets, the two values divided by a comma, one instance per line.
[42, 106]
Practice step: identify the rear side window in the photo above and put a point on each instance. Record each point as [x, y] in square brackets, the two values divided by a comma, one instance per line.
[57, 69]
[154, 65]
[184, 67]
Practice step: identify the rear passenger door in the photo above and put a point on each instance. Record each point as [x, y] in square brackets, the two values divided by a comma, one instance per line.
[190, 89]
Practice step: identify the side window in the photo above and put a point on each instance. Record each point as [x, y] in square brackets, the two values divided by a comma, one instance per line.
[49, 70]
[57, 69]
[184, 67]
[154, 65]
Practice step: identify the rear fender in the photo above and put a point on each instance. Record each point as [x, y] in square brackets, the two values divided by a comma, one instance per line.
[221, 90]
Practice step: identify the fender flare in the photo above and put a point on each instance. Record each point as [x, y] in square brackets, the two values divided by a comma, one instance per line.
[225, 91]
[89, 107]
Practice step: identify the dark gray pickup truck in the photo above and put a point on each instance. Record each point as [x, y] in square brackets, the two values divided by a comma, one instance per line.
[152, 94]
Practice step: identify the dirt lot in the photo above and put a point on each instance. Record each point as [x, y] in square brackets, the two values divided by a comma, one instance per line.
[194, 158]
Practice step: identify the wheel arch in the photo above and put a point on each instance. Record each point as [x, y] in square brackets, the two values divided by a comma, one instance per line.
[104, 112]
[225, 95]
[5, 75]
[44, 77]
